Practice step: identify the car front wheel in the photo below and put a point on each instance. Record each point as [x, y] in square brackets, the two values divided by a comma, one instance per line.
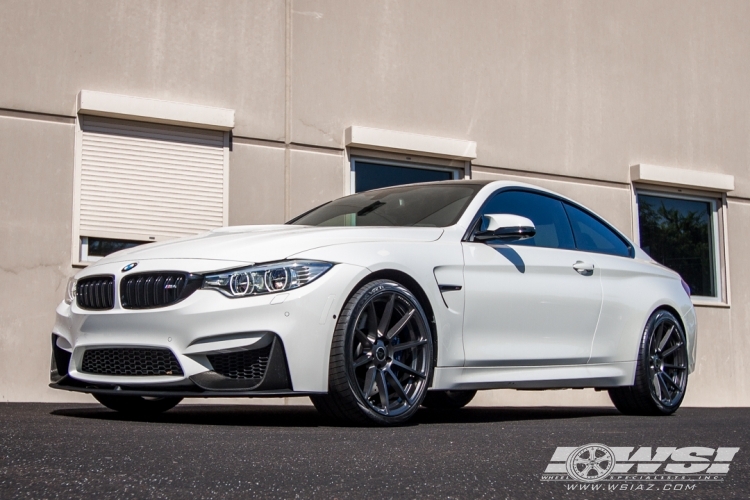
[662, 371]
[381, 357]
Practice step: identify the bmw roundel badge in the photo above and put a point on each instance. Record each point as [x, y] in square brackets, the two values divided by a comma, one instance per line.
[129, 267]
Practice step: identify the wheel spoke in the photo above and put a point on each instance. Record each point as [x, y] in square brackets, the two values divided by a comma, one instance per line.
[408, 345]
[400, 324]
[385, 320]
[370, 381]
[657, 386]
[667, 394]
[382, 389]
[664, 339]
[669, 381]
[407, 369]
[671, 350]
[362, 337]
[399, 388]
[372, 323]
[362, 360]
[674, 367]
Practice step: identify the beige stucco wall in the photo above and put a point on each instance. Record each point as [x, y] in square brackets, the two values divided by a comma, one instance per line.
[577, 88]
[228, 54]
[565, 95]
[36, 161]
[256, 184]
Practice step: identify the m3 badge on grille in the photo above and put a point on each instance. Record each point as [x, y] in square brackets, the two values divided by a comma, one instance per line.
[129, 267]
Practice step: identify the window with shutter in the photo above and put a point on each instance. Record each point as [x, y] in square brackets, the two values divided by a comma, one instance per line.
[140, 182]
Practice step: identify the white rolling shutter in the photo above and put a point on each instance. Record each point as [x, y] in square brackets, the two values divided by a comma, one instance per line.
[148, 180]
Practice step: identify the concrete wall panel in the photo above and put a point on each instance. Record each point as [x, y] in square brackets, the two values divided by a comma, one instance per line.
[36, 195]
[577, 88]
[256, 185]
[315, 178]
[228, 54]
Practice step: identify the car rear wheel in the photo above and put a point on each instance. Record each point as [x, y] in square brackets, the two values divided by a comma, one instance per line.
[381, 357]
[448, 400]
[137, 405]
[662, 370]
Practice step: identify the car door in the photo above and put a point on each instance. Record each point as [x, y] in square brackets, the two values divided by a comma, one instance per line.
[621, 278]
[529, 302]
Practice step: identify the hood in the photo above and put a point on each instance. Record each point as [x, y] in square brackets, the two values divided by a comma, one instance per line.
[254, 244]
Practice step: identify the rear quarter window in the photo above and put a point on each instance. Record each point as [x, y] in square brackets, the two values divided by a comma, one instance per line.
[592, 235]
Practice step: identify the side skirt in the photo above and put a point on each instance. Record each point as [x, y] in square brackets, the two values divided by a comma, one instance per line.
[535, 377]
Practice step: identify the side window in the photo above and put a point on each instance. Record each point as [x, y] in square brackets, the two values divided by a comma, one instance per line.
[547, 214]
[593, 236]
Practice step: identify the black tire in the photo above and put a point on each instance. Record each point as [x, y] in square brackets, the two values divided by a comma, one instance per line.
[448, 400]
[662, 370]
[136, 405]
[381, 362]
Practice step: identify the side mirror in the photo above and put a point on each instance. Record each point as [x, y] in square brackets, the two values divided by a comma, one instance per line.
[506, 227]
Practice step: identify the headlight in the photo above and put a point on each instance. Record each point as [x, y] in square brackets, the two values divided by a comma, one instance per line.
[269, 278]
[70, 291]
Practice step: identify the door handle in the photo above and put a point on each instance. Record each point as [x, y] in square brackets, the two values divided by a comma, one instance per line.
[584, 268]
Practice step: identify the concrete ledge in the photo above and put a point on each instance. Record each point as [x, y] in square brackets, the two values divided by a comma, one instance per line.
[154, 110]
[680, 177]
[404, 142]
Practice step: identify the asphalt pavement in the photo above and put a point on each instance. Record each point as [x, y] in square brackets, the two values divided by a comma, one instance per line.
[249, 451]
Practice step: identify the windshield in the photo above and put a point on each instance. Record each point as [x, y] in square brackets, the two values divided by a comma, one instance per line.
[423, 205]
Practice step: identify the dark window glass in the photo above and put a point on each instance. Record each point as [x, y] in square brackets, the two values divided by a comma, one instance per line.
[594, 236]
[679, 234]
[438, 205]
[369, 176]
[547, 214]
[101, 247]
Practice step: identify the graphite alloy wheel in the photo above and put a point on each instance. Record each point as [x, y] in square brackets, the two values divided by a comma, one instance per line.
[137, 405]
[662, 372]
[448, 400]
[381, 357]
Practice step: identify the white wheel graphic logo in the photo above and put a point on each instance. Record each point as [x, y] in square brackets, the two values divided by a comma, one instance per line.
[590, 463]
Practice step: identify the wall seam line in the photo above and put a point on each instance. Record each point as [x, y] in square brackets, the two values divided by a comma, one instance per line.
[288, 111]
[37, 115]
[544, 175]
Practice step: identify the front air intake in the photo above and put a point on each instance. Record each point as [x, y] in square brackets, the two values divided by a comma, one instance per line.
[157, 289]
[130, 361]
[96, 292]
[248, 365]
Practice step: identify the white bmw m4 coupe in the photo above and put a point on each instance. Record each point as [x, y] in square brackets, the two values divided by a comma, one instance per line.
[381, 302]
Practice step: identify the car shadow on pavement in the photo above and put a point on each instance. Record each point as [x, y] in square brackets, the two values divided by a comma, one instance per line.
[307, 416]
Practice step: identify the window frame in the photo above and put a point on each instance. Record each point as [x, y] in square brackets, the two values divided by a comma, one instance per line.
[458, 173]
[469, 235]
[717, 202]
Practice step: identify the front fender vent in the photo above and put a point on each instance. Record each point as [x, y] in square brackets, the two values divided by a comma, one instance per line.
[157, 289]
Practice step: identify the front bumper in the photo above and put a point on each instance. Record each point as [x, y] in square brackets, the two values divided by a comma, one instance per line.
[298, 325]
[275, 380]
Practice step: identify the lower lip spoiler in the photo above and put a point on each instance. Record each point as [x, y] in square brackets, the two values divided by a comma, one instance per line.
[186, 389]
